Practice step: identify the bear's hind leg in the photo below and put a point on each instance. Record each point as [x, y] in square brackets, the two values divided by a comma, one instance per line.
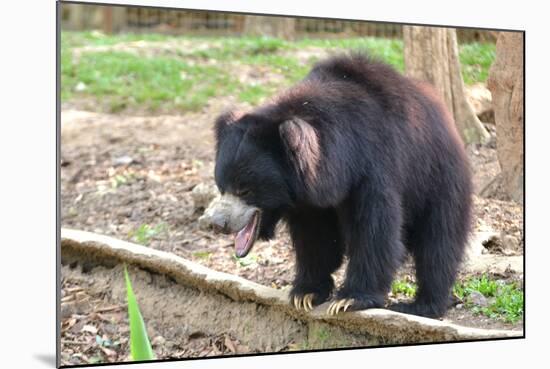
[437, 241]
[319, 252]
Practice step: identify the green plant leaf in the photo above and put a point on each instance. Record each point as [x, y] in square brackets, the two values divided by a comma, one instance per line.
[140, 347]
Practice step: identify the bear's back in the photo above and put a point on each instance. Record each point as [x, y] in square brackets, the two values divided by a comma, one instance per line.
[375, 78]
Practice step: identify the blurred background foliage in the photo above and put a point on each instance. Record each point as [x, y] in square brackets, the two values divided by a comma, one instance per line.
[176, 60]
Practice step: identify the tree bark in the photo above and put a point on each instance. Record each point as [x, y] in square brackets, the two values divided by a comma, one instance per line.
[280, 27]
[431, 54]
[506, 85]
[76, 16]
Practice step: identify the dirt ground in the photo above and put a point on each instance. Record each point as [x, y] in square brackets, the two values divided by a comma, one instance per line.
[95, 321]
[122, 173]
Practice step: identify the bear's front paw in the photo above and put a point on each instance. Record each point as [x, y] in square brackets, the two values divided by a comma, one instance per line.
[307, 301]
[343, 304]
[305, 296]
[353, 302]
[304, 302]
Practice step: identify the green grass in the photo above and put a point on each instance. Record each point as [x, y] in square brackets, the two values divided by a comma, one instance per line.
[400, 287]
[476, 59]
[127, 80]
[323, 334]
[202, 254]
[186, 80]
[388, 50]
[119, 180]
[140, 347]
[248, 260]
[254, 94]
[505, 300]
[145, 233]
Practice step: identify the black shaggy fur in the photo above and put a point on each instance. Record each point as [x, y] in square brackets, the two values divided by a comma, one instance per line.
[359, 161]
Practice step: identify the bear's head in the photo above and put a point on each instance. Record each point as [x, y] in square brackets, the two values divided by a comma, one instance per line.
[261, 163]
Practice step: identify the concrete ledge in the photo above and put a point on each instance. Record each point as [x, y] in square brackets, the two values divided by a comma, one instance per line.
[380, 325]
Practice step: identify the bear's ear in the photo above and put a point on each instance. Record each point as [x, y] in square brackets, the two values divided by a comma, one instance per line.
[302, 146]
[223, 124]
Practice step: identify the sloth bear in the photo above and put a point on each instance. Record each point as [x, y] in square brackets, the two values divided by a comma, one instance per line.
[361, 162]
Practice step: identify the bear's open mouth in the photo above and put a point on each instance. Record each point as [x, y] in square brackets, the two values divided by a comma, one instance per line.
[246, 237]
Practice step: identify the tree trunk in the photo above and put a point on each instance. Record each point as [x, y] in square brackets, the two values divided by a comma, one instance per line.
[280, 27]
[119, 18]
[431, 54]
[506, 85]
[76, 16]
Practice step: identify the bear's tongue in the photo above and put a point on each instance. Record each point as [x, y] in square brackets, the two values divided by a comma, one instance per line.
[246, 237]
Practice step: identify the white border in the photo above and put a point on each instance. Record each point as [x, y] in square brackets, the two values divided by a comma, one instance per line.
[27, 307]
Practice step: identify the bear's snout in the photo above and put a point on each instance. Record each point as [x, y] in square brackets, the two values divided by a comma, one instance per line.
[220, 225]
[227, 214]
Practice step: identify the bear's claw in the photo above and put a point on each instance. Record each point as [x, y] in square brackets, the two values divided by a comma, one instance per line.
[343, 304]
[304, 302]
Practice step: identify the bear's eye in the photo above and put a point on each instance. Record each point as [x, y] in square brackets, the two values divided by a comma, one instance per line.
[243, 192]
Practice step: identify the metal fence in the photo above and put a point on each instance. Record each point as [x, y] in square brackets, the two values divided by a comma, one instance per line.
[145, 20]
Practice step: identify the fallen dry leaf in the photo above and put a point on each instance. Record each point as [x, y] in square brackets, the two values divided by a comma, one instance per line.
[108, 352]
[229, 344]
[89, 328]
